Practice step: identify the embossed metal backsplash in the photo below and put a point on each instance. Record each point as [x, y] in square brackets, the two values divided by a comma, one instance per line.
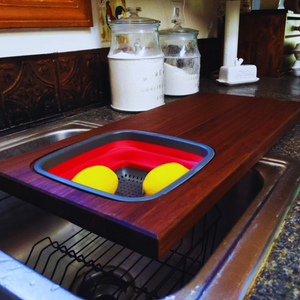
[39, 87]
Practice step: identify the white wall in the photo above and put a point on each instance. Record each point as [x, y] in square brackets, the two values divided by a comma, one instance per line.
[199, 14]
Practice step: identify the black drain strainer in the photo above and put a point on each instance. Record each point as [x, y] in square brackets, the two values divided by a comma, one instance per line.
[114, 283]
[130, 182]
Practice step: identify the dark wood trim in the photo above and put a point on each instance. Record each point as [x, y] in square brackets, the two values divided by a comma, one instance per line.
[40, 87]
[265, 12]
[26, 14]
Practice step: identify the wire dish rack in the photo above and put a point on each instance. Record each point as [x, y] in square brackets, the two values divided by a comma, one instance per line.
[95, 268]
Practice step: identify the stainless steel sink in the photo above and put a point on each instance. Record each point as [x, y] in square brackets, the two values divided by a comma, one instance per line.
[217, 259]
[40, 136]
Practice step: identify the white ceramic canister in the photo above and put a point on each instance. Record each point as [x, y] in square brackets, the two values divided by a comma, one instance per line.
[136, 64]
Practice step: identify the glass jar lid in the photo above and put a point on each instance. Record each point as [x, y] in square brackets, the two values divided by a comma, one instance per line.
[134, 18]
[177, 29]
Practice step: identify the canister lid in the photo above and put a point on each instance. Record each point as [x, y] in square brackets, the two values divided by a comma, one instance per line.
[134, 18]
[177, 29]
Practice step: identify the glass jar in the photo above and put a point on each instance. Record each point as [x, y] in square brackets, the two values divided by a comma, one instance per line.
[135, 63]
[182, 60]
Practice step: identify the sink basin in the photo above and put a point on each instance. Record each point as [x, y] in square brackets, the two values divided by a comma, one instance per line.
[40, 136]
[218, 259]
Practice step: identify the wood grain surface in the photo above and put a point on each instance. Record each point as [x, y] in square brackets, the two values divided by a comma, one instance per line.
[50, 13]
[240, 129]
[261, 42]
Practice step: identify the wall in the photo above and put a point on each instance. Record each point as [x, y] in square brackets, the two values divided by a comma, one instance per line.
[199, 14]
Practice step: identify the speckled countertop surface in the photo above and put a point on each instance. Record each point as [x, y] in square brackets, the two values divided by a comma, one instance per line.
[280, 277]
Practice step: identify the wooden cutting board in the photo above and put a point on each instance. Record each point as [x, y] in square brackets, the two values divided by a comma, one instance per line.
[240, 129]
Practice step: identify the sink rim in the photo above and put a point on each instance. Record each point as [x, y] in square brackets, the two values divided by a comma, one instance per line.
[255, 231]
[32, 134]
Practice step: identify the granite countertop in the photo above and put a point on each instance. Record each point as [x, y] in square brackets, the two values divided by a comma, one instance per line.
[280, 276]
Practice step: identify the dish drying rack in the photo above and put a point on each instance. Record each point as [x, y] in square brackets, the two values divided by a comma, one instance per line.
[97, 269]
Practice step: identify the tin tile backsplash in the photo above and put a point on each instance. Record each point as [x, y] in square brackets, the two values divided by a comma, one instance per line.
[37, 87]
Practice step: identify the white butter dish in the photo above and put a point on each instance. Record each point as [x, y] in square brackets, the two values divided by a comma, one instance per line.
[239, 74]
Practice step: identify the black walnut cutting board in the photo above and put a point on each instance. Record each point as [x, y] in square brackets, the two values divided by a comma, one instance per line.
[240, 129]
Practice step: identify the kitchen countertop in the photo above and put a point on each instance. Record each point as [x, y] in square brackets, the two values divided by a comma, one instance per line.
[280, 277]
